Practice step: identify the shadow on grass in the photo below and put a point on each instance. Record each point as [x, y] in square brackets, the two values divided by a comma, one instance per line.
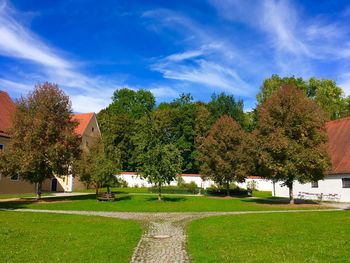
[278, 201]
[167, 199]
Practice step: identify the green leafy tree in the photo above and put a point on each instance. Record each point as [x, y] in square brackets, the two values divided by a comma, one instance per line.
[225, 153]
[158, 160]
[96, 168]
[43, 143]
[325, 92]
[290, 138]
[222, 104]
[118, 123]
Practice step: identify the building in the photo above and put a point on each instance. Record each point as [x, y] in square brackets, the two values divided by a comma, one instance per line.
[336, 184]
[88, 130]
[13, 184]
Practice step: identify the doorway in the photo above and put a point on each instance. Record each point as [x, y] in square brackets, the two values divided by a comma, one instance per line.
[54, 185]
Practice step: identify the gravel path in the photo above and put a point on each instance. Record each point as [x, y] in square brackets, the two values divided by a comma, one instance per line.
[164, 239]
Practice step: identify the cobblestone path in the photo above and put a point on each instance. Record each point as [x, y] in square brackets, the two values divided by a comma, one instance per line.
[164, 239]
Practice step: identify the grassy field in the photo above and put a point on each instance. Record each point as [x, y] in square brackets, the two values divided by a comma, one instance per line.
[282, 237]
[149, 203]
[30, 237]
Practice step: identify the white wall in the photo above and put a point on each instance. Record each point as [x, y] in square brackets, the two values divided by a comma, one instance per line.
[332, 184]
[261, 184]
[136, 180]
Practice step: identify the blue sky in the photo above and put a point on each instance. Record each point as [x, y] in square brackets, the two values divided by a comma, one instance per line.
[91, 48]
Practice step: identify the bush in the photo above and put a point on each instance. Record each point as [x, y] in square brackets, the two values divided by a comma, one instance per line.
[219, 191]
[190, 188]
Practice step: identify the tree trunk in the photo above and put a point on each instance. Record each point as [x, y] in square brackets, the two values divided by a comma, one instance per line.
[159, 192]
[38, 190]
[291, 197]
[108, 191]
[227, 188]
[96, 189]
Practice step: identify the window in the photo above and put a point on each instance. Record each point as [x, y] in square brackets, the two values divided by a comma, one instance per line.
[92, 129]
[346, 182]
[14, 177]
[1, 147]
[314, 184]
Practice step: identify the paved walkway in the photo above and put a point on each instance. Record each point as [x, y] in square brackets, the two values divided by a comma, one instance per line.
[164, 239]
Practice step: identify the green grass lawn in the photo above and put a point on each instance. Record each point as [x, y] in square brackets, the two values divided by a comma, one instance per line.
[149, 203]
[282, 237]
[118, 190]
[40, 237]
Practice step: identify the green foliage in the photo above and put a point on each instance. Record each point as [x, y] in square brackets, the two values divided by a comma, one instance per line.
[290, 138]
[118, 123]
[223, 104]
[325, 92]
[225, 153]
[43, 142]
[96, 168]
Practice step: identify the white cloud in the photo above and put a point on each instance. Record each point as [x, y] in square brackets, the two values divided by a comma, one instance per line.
[208, 58]
[164, 92]
[18, 41]
[344, 83]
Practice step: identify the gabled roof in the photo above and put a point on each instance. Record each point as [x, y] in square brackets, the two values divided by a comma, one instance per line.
[339, 145]
[84, 120]
[7, 108]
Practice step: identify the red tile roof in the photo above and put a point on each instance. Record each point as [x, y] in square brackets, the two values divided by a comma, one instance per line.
[84, 120]
[7, 108]
[339, 145]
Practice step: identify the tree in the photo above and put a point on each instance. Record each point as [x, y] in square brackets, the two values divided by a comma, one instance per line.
[160, 165]
[325, 92]
[223, 104]
[225, 153]
[157, 160]
[96, 168]
[118, 123]
[43, 143]
[291, 138]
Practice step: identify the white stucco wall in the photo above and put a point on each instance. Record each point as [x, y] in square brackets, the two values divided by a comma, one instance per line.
[332, 184]
[134, 180]
[261, 184]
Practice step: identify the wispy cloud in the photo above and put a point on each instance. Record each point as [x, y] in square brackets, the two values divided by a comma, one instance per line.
[17, 41]
[295, 38]
[206, 58]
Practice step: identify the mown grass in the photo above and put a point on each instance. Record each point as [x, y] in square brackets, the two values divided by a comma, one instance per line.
[149, 203]
[118, 190]
[40, 237]
[278, 237]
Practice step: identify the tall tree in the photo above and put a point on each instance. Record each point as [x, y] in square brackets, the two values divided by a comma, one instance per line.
[291, 138]
[225, 153]
[223, 104]
[159, 161]
[325, 92]
[96, 168]
[118, 123]
[43, 142]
